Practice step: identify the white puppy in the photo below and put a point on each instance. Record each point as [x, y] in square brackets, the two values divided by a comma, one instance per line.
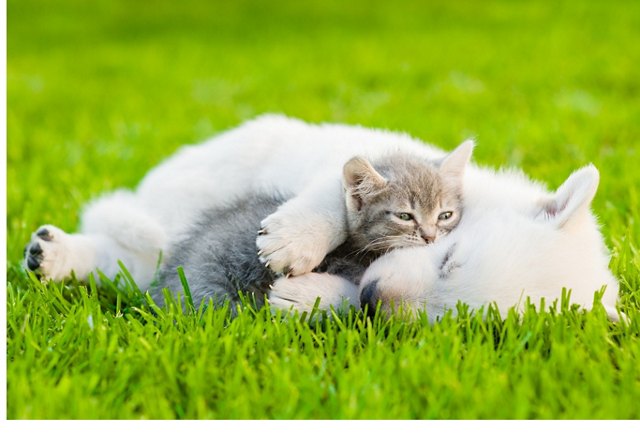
[275, 153]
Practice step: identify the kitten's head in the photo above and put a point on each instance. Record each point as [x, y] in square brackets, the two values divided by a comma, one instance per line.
[403, 200]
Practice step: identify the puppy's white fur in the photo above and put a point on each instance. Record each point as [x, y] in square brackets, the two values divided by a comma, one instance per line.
[503, 211]
[302, 292]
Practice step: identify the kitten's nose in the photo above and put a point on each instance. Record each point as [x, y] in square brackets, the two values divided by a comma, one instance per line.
[369, 297]
[428, 237]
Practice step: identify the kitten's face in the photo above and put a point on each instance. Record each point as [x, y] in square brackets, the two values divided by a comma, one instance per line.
[403, 217]
[403, 201]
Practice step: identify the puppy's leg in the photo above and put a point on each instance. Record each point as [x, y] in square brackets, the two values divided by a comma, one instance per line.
[296, 238]
[301, 292]
[55, 254]
[113, 228]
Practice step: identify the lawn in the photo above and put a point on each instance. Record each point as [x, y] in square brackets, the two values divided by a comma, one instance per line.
[99, 92]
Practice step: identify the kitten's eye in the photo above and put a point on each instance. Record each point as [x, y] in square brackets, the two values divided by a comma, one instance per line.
[444, 216]
[405, 216]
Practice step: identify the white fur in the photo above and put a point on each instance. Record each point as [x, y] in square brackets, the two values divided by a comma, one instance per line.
[301, 293]
[275, 153]
[300, 234]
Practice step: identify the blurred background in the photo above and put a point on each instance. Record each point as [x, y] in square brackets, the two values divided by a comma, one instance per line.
[100, 91]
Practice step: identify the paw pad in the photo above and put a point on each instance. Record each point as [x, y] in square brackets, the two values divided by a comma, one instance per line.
[33, 256]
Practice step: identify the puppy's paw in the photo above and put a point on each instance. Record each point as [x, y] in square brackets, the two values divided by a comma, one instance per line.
[48, 253]
[291, 245]
[301, 293]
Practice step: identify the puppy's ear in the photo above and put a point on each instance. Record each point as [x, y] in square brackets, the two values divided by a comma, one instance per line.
[572, 199]
[454, 164]
[361, 181]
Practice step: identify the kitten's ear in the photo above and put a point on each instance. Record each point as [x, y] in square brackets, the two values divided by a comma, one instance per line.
[455, 162]
[360, 181]
[573, 198]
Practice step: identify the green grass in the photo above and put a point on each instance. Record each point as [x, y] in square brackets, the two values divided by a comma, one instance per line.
[99, 92]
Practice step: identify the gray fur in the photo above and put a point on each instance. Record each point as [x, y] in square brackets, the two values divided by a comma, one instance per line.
[219, 256]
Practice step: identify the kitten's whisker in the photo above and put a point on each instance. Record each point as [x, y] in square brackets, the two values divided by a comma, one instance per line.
[367, 248]
[384, 243]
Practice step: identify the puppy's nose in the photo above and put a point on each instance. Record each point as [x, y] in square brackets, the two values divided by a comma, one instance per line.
[368, 296]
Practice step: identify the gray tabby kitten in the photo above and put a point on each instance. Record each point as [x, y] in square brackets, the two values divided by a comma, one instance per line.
[219, 256]
[402, 200]
[397, 201]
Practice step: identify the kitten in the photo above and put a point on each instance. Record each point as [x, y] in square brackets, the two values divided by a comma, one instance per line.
[219, 257]
[400, 200]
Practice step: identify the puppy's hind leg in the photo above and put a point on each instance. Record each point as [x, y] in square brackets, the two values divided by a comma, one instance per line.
[113, 228]
[54, 254]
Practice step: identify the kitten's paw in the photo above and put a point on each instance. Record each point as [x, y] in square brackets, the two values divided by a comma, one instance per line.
[301, 293]
[48, 253]
[289, 246]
